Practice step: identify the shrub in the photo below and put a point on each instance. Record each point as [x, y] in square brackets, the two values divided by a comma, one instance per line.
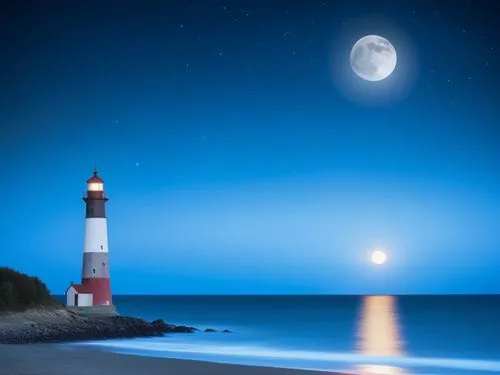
[19, 291]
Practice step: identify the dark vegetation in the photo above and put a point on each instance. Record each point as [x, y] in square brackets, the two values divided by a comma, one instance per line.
[19, 291]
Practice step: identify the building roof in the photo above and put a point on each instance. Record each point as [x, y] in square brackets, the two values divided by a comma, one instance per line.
[84, 289]
[95, 178]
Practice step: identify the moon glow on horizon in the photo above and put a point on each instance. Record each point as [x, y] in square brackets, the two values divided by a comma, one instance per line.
[373, 58]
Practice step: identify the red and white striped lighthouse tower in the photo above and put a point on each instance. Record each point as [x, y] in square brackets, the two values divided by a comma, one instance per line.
[95, 289]
[95, 271]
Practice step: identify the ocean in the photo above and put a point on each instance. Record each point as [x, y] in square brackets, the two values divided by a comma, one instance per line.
[384, 335]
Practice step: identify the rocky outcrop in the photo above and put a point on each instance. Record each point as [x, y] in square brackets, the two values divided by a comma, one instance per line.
[211, 330]
[62, 326]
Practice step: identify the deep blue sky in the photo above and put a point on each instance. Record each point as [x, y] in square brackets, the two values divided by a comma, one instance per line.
[242, 155]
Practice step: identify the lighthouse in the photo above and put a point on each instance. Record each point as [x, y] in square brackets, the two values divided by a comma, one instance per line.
[95, 288]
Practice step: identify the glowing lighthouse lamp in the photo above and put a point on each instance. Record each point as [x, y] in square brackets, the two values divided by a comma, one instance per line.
[95, 288]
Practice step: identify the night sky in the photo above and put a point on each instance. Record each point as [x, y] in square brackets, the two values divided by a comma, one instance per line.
[240, 152]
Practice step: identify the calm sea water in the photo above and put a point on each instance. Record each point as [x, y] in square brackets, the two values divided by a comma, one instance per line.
[360, 335]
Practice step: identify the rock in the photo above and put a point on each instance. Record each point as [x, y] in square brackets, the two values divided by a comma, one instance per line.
[183, 329]
[62, 327]
[210, 330]
[227, 331]
[159, 323]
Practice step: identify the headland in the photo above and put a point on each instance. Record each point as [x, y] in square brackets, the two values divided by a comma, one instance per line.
[52, 324]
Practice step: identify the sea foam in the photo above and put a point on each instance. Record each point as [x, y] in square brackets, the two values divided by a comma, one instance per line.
[232, 354]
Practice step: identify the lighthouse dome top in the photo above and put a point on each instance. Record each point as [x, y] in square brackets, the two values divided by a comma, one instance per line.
[95, 178]
[95, 183]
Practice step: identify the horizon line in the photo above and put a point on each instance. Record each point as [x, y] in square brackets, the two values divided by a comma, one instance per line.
[303, 295]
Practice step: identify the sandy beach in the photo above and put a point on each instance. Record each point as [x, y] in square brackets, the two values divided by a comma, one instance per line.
[52, 359]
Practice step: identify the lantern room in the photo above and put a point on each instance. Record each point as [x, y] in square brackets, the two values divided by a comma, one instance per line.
[95, 183]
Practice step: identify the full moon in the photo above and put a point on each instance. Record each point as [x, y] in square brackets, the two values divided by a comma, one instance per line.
[373, 58]
[379, 257]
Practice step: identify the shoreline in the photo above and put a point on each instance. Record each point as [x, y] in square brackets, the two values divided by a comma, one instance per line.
[59, 325]
[53, 359]
[39, 341]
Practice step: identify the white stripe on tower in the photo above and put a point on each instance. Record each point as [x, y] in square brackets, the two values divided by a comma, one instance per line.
[96, 235]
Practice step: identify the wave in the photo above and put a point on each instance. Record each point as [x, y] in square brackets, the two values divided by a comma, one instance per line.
[232, 352]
